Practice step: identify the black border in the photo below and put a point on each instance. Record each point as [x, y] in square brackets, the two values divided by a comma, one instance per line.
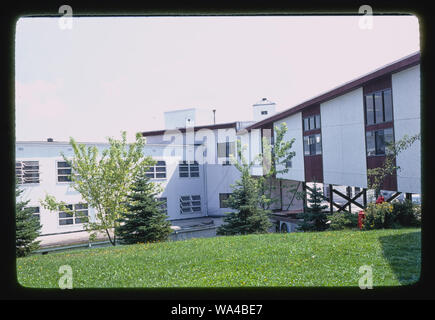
[11, 290]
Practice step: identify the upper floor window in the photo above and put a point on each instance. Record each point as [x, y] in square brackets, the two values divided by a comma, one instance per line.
[312, 145]
[27, 171]
[157, 171]
[379, 107]
[312, 122]
[78, 216]
[264, 112]
[63, 171]
[377, 141]
[190, 204]
[188, 169]
[225, 150]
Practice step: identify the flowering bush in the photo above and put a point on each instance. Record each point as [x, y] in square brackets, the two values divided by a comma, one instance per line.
[378, 216]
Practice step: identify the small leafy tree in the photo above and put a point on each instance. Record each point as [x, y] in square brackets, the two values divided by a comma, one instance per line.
[145, 219]
[274, 159]
[250, 215]
[26, 227]
[314, 217]
[104, 182]
[376, 176]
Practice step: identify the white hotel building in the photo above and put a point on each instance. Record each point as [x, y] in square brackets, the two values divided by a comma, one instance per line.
[338, 136]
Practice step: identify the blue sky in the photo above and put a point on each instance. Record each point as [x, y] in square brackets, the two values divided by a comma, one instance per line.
[110, 74]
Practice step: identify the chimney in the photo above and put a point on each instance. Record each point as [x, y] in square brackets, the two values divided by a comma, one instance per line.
[49, 139]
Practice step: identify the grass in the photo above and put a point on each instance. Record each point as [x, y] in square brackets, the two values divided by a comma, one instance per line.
[286, 260]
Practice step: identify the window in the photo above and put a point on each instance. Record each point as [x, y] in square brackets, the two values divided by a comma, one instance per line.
[78, 216]
[35, 212]
[312, 145]
[157, 171]
[225, 150]
[27, 171]
[190, 204]
[312, 122]
[188, 169]
[378, 140]
[223, 197]
[163, 204]
[288, 164]
[263, 112]
[379, 107]
[63, 171]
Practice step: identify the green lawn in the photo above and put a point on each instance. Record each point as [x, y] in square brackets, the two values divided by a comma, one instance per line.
[286, 260]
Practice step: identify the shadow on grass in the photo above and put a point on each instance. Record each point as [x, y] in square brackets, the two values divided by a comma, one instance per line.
[403, 252]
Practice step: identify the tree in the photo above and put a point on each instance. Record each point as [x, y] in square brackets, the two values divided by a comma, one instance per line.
[314, 217]
[27, 227]
[145, 219]
[274, 159]
[103, 182]
[249, 215]
[376, 176]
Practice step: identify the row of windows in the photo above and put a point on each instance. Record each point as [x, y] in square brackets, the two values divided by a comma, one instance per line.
[28, 171]
[311, 122]
[377, 141]
[80, 214]
[378, 107]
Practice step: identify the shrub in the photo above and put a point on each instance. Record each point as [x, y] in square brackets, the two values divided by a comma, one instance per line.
[343, 220]
[378, 216]
[407, 214]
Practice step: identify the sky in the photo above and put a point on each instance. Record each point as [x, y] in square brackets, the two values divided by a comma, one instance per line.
[111, 74]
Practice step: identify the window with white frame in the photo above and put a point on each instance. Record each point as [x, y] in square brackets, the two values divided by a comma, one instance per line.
[163, 204]
[64, 171]
[27, 171]
[157, 171]
[188, 169]
[223, 198]
[78, 214]
[35, 212]
[190, 204]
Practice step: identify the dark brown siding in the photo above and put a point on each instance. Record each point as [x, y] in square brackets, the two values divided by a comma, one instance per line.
[313, 164]
[390, 182]
[378, 84]
[313, 168]
[312, 110]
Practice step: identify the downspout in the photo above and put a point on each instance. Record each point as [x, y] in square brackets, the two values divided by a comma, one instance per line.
[204, 170]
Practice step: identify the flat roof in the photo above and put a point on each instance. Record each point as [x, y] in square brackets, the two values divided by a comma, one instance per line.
[196, 128]
[396, 66]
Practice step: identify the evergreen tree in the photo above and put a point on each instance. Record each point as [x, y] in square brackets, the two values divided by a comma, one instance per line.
[314, 217]
[27, 227]
[246, 199]
[145, 219]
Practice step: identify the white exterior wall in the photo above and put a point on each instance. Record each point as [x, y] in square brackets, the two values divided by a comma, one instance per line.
[254, 151]
[48, 153]
[294, 130]
[406, 113]
[343, 140]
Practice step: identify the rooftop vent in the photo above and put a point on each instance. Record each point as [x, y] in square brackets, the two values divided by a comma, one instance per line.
[49, 139]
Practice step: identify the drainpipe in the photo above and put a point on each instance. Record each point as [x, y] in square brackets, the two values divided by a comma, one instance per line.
[204, 170]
